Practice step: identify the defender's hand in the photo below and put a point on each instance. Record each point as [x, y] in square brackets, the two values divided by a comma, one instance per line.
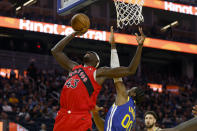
[111, 38]
[140, 39]
[97, 109]
[194, 111]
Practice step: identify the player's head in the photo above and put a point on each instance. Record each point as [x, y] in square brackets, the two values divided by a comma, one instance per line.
[137, 94]
[150, 119]
[91, 58]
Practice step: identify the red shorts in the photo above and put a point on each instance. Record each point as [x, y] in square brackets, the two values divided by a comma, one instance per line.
[72, 121]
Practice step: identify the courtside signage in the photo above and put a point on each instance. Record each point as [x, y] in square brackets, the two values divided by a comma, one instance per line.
[29, 25]
[169, 6]
[1, 126]
[16, 127]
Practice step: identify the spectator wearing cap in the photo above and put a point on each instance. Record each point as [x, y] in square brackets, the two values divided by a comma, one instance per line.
[150, 121]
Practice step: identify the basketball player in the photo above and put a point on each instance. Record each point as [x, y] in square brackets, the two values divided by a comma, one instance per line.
[122, 114]
[80, 91]
[150, 118]
[190, 125]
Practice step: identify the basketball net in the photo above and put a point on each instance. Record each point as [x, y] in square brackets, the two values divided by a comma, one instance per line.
[129, 12]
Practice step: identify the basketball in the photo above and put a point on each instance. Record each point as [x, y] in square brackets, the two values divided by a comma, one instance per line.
[80, 22]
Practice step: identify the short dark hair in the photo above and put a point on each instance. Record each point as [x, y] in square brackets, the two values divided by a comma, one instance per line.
[152, 113]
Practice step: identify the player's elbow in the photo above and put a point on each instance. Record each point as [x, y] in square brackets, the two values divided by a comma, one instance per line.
[131, 72]
[53, 51]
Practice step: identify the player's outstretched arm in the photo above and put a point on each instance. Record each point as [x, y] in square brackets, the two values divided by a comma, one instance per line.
[190, 125]
[122, 96]
[60, 56]
[97, 119]
[125, 71]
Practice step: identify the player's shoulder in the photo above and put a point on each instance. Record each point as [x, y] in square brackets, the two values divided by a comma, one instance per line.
[83, 67]
[77, 66]
[89, 68]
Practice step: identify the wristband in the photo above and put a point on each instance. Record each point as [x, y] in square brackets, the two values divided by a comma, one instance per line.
[116, 80]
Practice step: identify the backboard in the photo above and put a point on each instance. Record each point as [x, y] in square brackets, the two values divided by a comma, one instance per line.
[65, 7]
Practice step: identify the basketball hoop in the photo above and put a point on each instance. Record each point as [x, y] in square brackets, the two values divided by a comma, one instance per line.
[129, 12]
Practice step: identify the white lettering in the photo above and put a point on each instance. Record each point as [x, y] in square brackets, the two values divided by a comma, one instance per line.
[104, 36]
[68, 31]
[31, 26]
[55, 29]
[63, 26]
[48, 28]
[24, 25]
[98, 36]
[81, 36]
[63, 33]
[91, 33]
[38, 26]
[85, 35]
[195, 10]
[178, 8]
[190, 11]
[168, 5]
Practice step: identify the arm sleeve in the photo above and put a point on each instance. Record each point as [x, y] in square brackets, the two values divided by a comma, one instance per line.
[115, 63]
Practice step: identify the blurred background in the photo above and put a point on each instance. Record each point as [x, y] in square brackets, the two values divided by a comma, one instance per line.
[31, 80]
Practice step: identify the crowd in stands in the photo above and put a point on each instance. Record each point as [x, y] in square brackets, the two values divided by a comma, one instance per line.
[32, 100]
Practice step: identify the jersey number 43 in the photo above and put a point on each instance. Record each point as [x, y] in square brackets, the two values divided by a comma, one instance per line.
[72, 83]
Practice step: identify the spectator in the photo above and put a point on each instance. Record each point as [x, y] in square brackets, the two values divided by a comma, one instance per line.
[6, 107]
[32, 70]
[13, 100]
[23, 114]
[43, 127]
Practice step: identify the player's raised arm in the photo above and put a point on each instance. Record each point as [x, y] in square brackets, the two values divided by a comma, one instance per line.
[122, 96]
[60, 56]
[124, 71]
[80, 24]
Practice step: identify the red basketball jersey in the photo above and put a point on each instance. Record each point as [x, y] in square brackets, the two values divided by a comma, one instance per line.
[80, 90]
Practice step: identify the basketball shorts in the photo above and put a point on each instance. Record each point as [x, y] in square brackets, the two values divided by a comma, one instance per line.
[67, 120]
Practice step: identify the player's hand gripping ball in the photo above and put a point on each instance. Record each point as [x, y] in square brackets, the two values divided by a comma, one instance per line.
[80, 23]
